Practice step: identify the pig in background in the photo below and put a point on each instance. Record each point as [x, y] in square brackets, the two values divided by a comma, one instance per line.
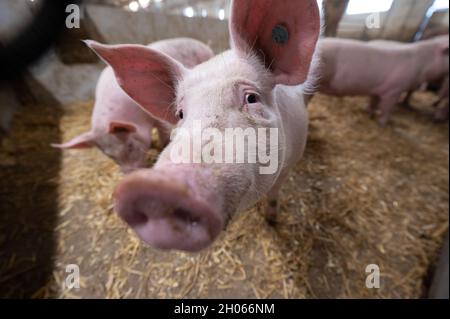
[431, 33]
[442, 112]
[120, 128]
[441, 83]
[186, 206]
[440, 86]
[383, 70]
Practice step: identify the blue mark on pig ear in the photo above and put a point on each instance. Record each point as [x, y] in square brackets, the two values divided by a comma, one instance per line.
[280, 34]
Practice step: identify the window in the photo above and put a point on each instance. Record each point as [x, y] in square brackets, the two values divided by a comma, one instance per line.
[320, 3]
[189, 12]
[368, 6]
[440, 5]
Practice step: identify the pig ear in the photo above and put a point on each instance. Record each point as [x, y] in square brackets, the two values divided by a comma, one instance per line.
[282, 33]
[148, 76]
[85, 140]
[121, 127]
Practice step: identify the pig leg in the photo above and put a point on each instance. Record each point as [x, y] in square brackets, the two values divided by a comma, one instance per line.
[442, 114]
[436, 104]
[387, 104]
[272, 201]
[374, 101]
[272, 207]
[406, 101]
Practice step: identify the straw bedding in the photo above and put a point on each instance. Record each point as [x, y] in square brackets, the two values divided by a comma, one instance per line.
[362, 195]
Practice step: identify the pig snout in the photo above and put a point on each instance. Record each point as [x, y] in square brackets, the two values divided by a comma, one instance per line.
[166, 211]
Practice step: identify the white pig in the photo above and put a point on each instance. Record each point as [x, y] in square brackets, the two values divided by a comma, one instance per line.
[120, 128]
[185, 206]
[382, 70]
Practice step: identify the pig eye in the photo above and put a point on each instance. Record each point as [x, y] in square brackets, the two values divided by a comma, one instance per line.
[251, 98]
[180, 114]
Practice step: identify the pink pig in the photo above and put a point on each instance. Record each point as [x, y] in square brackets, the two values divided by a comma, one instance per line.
[185, 206]
[382, 70]
[120, 128]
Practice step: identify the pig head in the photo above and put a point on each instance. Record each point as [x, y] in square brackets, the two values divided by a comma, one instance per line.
[185, 205]
[119, 126]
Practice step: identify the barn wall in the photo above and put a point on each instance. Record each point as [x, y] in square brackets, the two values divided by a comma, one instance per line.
[119, 26]
[438, 24]
[69, 74]
[401, 23]
[354, 27]
[405, 18]
[66, 83]
[69, 83]
[9, 11]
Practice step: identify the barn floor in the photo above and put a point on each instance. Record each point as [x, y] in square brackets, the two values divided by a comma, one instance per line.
[362, 195]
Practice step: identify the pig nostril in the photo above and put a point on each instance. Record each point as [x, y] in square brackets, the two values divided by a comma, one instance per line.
[136, 218]
[185, 216]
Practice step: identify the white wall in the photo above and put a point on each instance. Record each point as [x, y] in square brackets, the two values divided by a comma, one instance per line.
[72, 83]
[119, 26]
[400, 23]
